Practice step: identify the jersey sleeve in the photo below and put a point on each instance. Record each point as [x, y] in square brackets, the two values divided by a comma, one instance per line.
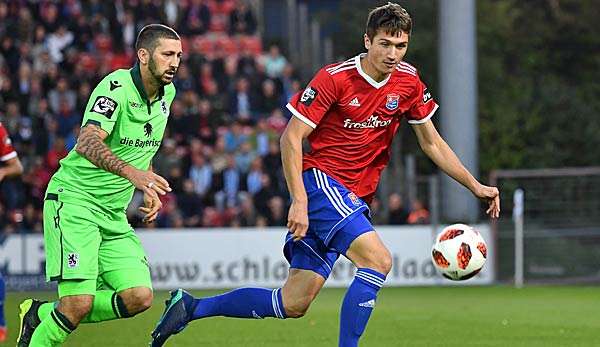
[104, 105]
[422, 105]
[7, 151]
[313, 103]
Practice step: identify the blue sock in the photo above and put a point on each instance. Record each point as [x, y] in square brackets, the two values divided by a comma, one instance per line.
[358, 305]
[242, 303]
[2, 296]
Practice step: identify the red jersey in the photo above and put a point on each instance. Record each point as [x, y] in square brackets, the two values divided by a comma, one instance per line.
[355, 119]
[7, 151]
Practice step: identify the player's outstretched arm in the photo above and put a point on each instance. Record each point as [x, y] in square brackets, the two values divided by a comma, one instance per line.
[291, 158]
[90, 144]
[444, 157]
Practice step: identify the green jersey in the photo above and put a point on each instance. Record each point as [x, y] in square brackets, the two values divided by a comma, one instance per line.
[135, 127]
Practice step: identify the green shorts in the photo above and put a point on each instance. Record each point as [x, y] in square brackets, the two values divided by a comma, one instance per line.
[84, 244]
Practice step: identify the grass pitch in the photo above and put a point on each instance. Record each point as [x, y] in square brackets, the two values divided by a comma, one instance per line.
[423, 316]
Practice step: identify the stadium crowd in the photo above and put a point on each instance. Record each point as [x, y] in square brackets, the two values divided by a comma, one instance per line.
[221, 150]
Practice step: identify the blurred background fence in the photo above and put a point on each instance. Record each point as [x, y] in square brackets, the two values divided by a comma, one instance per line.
[561, 229]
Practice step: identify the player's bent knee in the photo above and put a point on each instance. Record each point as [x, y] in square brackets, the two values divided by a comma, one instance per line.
[385, 263]
[137, 299]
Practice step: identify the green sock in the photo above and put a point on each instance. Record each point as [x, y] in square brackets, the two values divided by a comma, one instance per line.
[45, 310]
[53, 331]
[107, 306]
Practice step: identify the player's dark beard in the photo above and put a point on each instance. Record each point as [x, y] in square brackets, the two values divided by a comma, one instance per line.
[158, 77]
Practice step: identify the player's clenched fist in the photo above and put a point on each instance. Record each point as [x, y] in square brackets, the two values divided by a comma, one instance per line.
[298, 219]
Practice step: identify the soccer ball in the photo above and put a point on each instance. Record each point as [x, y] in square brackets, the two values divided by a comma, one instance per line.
[459, 252]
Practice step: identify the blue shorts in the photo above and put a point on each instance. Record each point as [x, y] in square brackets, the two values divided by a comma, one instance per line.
[336, 217]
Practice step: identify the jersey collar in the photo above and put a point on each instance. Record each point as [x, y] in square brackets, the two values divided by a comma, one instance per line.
[368, 78]
[136, 76]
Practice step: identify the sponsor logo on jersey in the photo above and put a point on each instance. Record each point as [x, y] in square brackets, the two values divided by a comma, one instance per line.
[114, 85]
[355, 200]
[72, 260]
[148, 129]
[354, 102]
[392, 101]
[134, 104]
[139, 143]
[104, 106]
[308, 95]
[370, 303]
[372, 122]
[426, 96]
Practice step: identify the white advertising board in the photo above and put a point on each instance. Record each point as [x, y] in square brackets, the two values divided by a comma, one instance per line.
[224, 258]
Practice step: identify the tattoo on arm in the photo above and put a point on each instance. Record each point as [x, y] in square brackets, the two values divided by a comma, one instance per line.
[91, 145]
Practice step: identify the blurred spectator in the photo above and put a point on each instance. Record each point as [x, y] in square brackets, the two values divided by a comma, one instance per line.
[245, 157]
[277, 121]
[397, 213]
[197, 18]
[242, 19]
[184, 80]
[269, 99]
[190, 205]
[241, 100]
[55, 154]
[227, 196]
[277, 214]
[274, 62]
[418, 214]
[247, 215]
[57, 41]
[265, 194]
[66, 118]
[262, 137]
[166, 158]
[201, 174]
[218, 157]
[254, 177]
[234, 137]
[377, 217]
[62, 93]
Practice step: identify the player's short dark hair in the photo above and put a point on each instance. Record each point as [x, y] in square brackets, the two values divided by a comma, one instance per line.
[149, 35]
[392, 18]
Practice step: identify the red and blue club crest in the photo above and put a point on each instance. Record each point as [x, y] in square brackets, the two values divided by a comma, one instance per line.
[392, 101]
[355, 200]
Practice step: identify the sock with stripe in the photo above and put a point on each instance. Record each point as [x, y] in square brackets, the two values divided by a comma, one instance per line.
[358, 305]
[107, 305]
[241, 303]
[2, 297]
[53, 330]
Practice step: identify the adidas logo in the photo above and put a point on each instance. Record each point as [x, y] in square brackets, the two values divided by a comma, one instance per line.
[370, 303]
[354, 102]
[255, 315]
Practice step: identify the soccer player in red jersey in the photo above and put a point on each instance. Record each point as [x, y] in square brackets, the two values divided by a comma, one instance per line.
[11, 166]
[349, 113]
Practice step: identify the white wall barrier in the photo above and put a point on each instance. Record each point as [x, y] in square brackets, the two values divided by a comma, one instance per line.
[221, 258]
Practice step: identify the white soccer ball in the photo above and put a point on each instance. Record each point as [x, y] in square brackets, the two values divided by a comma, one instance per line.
[459, 252]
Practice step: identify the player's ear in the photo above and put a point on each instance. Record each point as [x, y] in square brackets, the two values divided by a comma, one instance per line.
[367, 42]
[143, 56]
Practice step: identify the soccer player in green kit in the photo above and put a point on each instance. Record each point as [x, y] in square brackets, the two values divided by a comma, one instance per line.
[91, 250]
